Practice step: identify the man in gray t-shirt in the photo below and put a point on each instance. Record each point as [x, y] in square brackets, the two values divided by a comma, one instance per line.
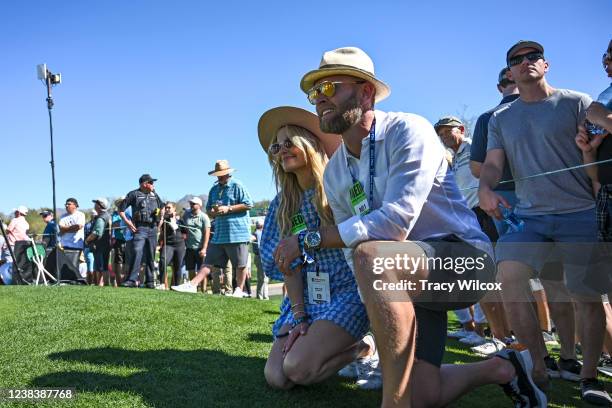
[536, 134]
[538, 137]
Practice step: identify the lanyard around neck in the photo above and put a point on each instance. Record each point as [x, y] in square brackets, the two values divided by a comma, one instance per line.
[372, 171]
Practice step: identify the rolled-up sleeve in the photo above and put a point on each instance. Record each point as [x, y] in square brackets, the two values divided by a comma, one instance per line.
[415, 156]
[244, 197]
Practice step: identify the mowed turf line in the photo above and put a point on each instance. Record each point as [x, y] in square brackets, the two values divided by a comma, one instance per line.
[147, 348]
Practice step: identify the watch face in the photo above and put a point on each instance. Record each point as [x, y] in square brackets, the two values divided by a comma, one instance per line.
[313, 239]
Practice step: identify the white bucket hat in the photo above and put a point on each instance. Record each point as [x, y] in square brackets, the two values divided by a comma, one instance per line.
[346, 61]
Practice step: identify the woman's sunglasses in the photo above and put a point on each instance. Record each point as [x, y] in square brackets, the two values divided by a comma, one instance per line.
[275, 148]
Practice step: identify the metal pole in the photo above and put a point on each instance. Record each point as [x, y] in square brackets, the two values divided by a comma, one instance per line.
[57, 242]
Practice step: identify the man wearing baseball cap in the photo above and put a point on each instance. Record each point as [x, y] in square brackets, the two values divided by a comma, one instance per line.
[197, 230]
[389, 181]
[535, 134]
[17, 229]
[50, 231]
[98, 241]
[146, 212]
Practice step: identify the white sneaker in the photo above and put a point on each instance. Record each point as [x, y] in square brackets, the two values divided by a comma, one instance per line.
[161, 286]
[349, 371]
[238, 293]
[186, 287]
[489, 348]
[369, 375]
[459, 334]
[473, 339]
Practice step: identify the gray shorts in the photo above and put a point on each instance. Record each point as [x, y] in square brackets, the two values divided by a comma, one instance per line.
[218, 254]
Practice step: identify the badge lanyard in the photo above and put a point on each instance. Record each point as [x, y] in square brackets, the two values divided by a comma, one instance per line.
[220, 194]
[298, 224]
[372, 171]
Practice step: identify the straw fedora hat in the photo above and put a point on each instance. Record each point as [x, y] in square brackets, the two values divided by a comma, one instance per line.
[222, 168]
[346, 61]
[274, 119]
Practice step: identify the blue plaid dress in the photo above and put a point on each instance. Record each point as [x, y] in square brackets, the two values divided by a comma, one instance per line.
[345, 308]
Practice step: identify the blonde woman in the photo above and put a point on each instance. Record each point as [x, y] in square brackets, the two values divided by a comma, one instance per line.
[322, 318]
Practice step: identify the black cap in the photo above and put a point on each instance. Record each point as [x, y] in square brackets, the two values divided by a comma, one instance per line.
[523, 44]
[146, 178]
[46, 213]
[72, 200]
[503, 76]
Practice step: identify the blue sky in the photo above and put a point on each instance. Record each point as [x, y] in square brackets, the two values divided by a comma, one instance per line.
[169, 87]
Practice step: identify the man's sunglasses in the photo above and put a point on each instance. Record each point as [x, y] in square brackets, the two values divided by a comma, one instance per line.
[531, 57]
[326, 88]
[275, 148]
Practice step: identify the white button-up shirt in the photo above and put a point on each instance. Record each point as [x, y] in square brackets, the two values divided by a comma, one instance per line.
[415, 196]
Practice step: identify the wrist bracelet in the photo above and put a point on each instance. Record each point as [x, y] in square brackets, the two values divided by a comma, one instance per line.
[300, 320]
[296, 305]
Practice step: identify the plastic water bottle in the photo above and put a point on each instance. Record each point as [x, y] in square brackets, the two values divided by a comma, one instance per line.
[515, 224]
[605, 98]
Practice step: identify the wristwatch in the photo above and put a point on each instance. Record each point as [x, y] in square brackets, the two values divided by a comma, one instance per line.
[312, 240]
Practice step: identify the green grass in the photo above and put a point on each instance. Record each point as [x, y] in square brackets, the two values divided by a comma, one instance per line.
[147, 348]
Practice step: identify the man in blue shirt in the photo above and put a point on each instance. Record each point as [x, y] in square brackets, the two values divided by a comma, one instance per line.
[229, 204]
[507, 87]
[50, 232]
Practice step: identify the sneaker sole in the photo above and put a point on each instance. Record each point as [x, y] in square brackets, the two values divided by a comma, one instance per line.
[605, 371]
[523, 358]
[485, 355]
[182, 291]
[473, 343]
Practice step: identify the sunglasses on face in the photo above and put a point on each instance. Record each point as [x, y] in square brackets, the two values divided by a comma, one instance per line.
[531, 57]
[275, 148]
[326, 88]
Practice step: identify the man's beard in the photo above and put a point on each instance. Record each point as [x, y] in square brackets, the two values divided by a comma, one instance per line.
[347, 115]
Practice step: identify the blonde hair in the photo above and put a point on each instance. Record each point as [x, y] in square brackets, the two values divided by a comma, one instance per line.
[289, 191]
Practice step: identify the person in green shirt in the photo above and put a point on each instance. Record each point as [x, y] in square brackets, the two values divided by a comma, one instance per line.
[196, 232]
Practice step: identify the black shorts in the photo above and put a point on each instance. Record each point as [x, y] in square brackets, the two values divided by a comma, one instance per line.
[193, 259]
[119, 252]
[432, 307]
[481, 270]
[431, 334]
